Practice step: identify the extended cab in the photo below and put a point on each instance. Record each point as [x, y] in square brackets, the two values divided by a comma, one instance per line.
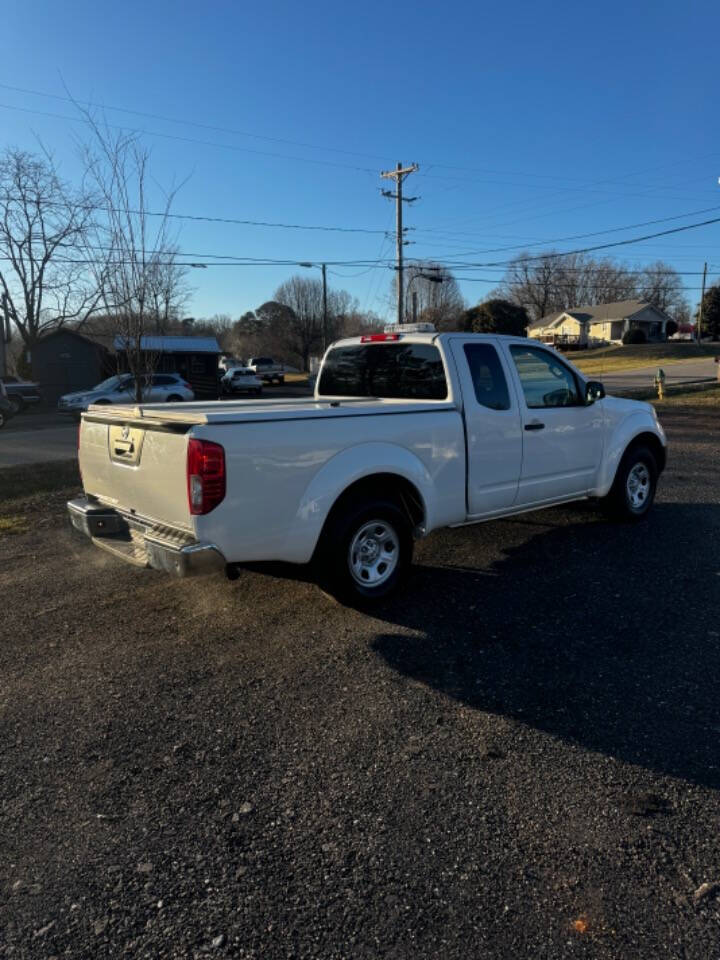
[408, 431]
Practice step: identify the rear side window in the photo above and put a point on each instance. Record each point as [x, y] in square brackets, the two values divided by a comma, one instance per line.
[491, 389]
[393, 371]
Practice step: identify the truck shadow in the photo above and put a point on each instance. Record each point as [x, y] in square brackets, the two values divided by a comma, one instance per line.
[605, 636]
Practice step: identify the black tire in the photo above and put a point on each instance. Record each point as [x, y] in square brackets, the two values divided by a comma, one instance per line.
[281, 380]
[17, 404]
[358, 523]
[258, 392]
[174, 398]
[633, 490]
[3, 419]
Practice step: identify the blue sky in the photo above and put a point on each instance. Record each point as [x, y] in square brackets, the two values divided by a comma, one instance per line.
[530, 122]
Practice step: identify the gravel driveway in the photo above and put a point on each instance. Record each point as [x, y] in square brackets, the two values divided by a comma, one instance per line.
[518, 758]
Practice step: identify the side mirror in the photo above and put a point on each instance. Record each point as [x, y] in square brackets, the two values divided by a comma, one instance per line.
[594, 390]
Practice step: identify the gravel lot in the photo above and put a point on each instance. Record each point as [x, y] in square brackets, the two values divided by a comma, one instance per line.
[518, 758]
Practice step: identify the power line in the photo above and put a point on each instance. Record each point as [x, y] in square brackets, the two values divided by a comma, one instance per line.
[204, 143]
[204, 219]
[191, 123]
[597, 233]
[601, 246]
[313, 146]
[535, 283]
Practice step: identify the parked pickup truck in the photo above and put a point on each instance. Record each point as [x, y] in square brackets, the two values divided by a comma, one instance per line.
[407, 432]
[21, 393]
[267, 369]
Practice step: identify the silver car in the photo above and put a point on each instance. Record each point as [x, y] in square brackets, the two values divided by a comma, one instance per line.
[159, 388]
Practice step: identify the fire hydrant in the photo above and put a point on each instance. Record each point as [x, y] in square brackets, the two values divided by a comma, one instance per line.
[660, 383]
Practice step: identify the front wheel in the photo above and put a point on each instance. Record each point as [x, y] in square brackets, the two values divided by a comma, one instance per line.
[633, 491]
[17, 404]
[366, 551]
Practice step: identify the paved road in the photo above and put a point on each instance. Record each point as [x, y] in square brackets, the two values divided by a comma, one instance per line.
[688, 370]
[37, 444]
[38, 437]
[516, 758]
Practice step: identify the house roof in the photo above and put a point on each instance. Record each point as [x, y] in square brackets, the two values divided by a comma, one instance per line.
[598, 312]
[173, 344]
[100, 340]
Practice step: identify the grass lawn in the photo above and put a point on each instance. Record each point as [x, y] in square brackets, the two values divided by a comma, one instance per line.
[296, 378]
[690, 398]
[620, 357]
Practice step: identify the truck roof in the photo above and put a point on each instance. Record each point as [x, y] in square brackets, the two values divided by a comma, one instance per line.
[414, 336]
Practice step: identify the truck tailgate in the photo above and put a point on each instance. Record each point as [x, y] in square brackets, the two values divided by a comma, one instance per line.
[137, 468]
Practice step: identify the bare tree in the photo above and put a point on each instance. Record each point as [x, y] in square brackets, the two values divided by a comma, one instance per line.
[142, 283]
[44, 228]
[554, 282]
[661, 285]
[170, 291]
[436, 291]
[302, 324]
[532, 283]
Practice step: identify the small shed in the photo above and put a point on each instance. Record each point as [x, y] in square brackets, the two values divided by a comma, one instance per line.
[65, 361]
[194, 358]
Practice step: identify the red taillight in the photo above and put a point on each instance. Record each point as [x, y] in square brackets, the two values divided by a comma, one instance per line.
[186, 385]
[379, 337]
[205, 476]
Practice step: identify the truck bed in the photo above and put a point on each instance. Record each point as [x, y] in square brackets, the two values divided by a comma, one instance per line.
[248, 411]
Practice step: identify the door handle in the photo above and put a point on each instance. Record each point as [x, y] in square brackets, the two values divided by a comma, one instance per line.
[535, 425]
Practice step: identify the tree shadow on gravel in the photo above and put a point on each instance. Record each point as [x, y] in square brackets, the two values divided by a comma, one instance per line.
[604, 635]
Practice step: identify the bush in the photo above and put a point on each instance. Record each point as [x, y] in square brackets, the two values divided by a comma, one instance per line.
[636, 335]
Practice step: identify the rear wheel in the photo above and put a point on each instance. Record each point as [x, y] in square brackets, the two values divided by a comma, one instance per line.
[174, 398]
[633, 491]
[17, 404]
[366, 550]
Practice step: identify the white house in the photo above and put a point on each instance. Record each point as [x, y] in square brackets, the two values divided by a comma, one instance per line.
[601, 322]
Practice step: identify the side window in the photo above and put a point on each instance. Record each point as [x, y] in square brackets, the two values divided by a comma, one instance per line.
[491, 389]
[545, 380]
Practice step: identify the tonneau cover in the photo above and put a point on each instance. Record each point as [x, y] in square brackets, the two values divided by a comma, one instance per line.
[238, 411]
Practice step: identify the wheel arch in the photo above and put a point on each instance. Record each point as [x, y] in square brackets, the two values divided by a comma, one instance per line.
[652, 442]
[373, 469]
[628, 436]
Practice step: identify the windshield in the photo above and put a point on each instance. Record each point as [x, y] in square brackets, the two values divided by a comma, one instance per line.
[394, 371]
[112, 383]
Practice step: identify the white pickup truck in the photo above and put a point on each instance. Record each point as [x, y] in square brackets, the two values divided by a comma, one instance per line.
[408, 431]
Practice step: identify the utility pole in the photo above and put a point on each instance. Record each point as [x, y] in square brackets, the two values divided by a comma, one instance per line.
[4, 336]
[399, 175]
[700, 308]
[323, 267]
[323, 270]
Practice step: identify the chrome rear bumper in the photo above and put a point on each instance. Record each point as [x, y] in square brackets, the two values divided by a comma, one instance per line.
[143, 544]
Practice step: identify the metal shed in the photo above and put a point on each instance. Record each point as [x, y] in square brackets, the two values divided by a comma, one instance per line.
[194, 358]
[64, 361]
